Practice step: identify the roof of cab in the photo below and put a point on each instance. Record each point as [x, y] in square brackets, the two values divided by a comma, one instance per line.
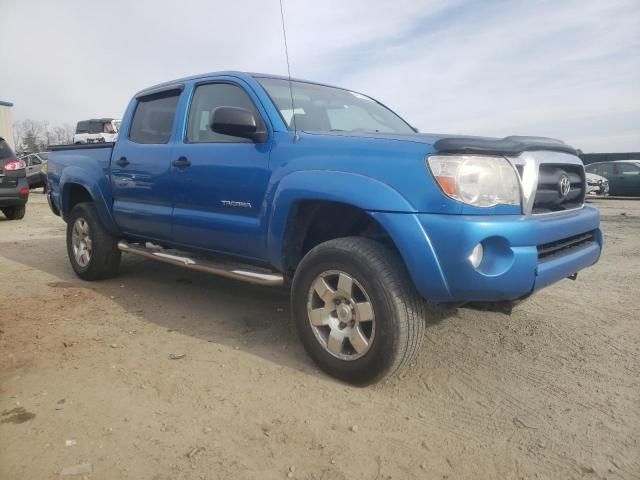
[179, 81]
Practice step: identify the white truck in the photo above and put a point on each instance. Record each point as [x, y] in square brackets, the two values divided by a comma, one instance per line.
[96, 130]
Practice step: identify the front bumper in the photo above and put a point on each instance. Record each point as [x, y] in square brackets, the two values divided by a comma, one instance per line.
[436, 249]
[601, 188]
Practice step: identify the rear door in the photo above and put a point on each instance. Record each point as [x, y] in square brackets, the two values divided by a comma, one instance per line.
[628, 175]
[141, 167]
[220, 181]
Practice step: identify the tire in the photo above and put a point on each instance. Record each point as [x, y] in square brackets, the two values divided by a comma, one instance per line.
[103, 258]
[15, 213]
[379, 278]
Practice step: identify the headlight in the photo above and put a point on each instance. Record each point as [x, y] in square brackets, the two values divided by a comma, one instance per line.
[481, 181]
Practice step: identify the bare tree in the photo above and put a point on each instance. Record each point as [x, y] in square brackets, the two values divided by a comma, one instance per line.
[32, 135]
[62, 134]
[48, 135]
[18, 136]
[36, 136]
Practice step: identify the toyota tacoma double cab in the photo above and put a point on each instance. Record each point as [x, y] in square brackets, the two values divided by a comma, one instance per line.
[276, 181]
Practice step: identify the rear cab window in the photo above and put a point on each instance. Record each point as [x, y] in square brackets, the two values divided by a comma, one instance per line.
[153, 118]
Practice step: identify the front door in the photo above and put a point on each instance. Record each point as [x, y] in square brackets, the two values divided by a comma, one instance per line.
[219, 181]
[141, 168]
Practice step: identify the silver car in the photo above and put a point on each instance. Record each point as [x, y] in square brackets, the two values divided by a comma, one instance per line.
[35, 163]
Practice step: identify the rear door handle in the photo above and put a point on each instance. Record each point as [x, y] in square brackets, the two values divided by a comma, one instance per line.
[123, 162]
[181, 162]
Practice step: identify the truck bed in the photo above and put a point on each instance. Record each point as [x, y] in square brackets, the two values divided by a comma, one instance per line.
[83, 165]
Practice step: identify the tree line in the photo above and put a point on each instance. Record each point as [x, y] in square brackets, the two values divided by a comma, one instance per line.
[36, 135]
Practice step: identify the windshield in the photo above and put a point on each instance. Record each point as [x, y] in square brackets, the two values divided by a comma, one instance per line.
[328, 109]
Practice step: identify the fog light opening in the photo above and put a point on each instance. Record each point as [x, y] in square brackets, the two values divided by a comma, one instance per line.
[476, 255]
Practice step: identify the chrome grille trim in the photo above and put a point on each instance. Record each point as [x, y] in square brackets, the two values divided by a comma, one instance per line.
[527, 164]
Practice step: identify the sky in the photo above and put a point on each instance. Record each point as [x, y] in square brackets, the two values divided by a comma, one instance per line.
[567, 69]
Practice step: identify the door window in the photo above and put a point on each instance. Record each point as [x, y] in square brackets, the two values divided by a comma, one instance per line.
[34, 160]
[205, 100]
[605, 169]
[153, 119]
[627, 169]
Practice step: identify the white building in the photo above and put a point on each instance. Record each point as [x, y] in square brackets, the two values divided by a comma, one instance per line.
[6, 125]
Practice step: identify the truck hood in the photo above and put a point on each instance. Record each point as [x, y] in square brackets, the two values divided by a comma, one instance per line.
[443, 143]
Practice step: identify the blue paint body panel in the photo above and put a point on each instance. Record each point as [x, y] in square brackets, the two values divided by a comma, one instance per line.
[382, 174]
[436, 250]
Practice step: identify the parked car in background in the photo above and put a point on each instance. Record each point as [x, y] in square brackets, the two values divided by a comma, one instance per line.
[597, 185]
[14, 188]
[96, 130]
[623, 176]
[35, 163]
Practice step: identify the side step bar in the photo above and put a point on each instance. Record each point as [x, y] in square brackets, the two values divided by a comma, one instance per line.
[238, 272]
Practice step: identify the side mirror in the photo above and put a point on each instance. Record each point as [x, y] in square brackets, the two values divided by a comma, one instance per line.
[237, 122]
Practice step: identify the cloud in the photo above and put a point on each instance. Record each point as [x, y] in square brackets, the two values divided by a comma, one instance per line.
[567, 69]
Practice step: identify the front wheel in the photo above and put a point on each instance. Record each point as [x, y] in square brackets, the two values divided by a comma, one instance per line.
[356, 310]
[92, 250]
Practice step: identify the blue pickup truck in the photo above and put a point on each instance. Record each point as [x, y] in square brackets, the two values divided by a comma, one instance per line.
[270, 181]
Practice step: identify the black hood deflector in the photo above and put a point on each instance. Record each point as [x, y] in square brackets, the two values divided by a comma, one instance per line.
[500, 146]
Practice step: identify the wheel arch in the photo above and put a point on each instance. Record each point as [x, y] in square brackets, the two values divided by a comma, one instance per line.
[74, 190]
[305, 197]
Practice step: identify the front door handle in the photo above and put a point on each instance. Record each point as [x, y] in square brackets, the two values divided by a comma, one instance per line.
[123, 162]
[181, 162]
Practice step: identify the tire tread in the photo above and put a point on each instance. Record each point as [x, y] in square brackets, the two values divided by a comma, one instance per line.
[411, 308]
[105, 255]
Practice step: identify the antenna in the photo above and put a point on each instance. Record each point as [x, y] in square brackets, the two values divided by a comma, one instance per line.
[286, 52]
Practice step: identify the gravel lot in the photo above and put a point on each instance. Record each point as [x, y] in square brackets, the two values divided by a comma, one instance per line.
[552, 391]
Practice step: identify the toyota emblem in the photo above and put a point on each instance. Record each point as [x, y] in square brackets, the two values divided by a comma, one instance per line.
[564, 185]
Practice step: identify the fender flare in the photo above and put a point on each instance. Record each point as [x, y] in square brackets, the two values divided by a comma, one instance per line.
[352, 189]
[73, 175]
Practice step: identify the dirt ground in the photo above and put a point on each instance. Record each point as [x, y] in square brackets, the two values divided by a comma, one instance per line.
[552, 391]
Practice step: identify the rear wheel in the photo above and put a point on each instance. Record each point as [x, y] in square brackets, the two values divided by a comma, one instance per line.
[356, 310]
[15, 213]
[92, 250]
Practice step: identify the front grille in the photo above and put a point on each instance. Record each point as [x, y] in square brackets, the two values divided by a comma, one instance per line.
[564, 246]
[549, 196]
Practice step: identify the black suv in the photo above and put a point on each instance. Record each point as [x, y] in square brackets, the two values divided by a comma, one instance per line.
[14, 187]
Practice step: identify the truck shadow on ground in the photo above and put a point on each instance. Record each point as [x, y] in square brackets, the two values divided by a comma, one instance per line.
[218, 310]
